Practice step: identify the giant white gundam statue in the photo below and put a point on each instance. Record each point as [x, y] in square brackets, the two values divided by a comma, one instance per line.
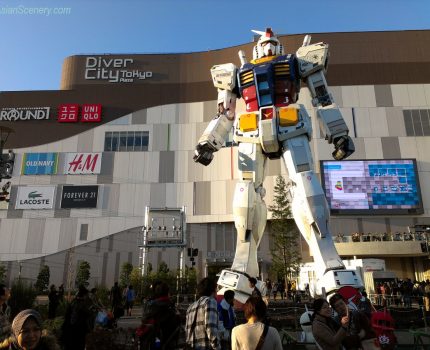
[275, 126]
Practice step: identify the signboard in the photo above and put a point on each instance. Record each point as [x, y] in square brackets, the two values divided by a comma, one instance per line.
[35, 197]
[113, 70]
[68, 113]
[91, 113]
[372, 186]
[39, 163]
[79, 197]
[82, 163]
[24, 114]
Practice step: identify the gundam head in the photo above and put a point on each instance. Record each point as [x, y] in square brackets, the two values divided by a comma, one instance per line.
[267, 45]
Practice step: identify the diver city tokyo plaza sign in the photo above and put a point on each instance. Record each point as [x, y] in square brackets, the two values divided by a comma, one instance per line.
[14, 114]
[39, 164]
[113, 70]
[35, 197]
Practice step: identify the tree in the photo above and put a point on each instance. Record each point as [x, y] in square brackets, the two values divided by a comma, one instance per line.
[42, 282]
[3, 272]
[83, 274]
[124, 277]
[286, 254]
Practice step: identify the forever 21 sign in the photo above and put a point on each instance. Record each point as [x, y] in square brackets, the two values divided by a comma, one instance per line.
[79, 197]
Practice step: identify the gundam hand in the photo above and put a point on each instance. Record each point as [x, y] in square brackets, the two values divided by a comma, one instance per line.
[204, 154]
[343, 147]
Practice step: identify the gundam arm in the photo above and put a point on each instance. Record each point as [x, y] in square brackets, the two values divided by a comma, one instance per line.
[215, 134]
[313, 60]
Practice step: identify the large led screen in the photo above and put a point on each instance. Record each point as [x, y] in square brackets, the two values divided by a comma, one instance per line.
[372, 186]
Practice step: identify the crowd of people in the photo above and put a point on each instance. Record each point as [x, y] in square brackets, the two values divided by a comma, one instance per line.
[403, 293]
[381, 236]
[209, 324]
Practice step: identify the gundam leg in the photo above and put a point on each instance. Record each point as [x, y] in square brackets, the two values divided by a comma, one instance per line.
[250, 216]
[311, 214]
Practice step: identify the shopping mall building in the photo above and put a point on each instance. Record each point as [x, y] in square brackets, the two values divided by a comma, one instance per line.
[119, 136]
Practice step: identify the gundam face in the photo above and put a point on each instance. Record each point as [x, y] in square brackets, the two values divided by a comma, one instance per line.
[268, 45]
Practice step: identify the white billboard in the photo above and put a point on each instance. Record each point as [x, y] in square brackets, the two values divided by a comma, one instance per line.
[82, 163]
[35, 197]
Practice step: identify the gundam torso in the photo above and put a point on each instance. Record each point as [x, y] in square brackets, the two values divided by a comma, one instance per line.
[270, 87]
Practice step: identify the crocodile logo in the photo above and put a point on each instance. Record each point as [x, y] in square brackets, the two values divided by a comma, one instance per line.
[34, 194]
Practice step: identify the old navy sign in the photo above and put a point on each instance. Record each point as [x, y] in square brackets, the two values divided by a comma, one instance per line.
[113, 70]
[83, 163]
[39, 163]
[79, 197]
[24, 114]
[35, 197]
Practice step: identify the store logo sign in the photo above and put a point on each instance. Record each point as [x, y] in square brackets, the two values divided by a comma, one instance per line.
[39, 163]
[24, 114]
[32, 197]
[83, 163]
[79, 197]
[113, 70]
[89, 113]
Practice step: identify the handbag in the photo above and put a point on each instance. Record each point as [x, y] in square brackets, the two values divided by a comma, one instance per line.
[370, 344]
[262, 337]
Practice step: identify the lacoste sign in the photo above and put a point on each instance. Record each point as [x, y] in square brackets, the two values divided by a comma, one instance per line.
[35, 197]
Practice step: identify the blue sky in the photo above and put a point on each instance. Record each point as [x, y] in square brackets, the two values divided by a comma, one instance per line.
[34, 45]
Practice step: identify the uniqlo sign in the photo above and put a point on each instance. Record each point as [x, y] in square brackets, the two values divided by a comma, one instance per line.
[68, 113]
[91, 113]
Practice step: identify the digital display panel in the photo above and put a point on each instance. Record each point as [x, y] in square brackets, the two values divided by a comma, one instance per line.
[372, 186]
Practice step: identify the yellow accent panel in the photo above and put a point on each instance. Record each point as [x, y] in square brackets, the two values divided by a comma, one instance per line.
[246, 77]
[263, 59]
[248, 122]
[288, 116]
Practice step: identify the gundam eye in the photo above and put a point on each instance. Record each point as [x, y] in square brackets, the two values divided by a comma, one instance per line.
[274, 43]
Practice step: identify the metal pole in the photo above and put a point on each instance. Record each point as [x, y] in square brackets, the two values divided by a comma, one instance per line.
[144, 249]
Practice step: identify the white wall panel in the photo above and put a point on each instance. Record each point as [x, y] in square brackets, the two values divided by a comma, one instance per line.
[7, 235]
[362, 122]
[423, 147]
[400, 95]
[120, 170]
[99, 229]
[51, 237]
[196, 112]
[373, 148]
[408, 147]
[172, 195]
[347, 116]
[137, 166]
[350, 96]
[174, 137]
[185, 195]
[116, 224]
[153, 115]
[425, 190]
[218, 197]
[378, 122]
[181, 166]
[366, 96]
[159, 137]
[168, 114]
[417, 95]
[21, 235]
[427, 93]
[141, 198]
[125, 204]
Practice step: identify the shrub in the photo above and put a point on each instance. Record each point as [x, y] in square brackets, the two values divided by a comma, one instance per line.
[23, 295]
